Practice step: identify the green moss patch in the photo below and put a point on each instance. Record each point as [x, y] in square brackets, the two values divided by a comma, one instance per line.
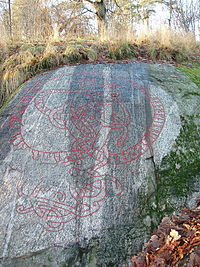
[176, 177]
[192, 72]
[178, 169]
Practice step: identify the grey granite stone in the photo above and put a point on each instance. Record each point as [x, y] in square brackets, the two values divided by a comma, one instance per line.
[78, 147]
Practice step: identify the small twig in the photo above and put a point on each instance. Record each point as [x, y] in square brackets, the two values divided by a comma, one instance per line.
[85, 8]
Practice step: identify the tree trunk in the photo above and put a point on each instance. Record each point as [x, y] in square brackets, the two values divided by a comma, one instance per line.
[101, 26]
[100, 8]
[10, 19]
[146, 26]
[170, 13]
[145, 20]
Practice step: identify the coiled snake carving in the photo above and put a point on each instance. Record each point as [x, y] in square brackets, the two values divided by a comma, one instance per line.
[85, 123]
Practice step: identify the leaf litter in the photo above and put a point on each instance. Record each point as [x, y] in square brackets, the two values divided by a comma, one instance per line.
[176, 242]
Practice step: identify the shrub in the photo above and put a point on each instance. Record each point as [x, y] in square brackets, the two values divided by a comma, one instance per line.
[122, 51]
[77, 51]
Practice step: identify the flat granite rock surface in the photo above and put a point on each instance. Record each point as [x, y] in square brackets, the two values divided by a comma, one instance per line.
[77, 146]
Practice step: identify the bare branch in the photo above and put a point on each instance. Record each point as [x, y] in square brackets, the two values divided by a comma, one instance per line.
[85, 8]
[117, 4]
[89, 1]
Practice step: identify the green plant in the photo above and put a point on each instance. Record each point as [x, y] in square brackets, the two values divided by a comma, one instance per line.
[77, 51]
[122, 51]
[40, 49]
[26, 47]
[152, 52]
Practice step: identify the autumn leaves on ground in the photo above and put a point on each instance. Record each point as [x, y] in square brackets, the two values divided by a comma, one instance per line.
[175, 243]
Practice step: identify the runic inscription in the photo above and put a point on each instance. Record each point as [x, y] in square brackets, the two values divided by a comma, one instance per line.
[86, 126]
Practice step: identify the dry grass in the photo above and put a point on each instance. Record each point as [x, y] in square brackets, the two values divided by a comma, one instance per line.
[122, 50]
[27, 60]
[162, 37]
[77, 51]
[19, 62]
[160, 44]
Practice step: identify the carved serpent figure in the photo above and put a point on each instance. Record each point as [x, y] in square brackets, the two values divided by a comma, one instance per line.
[78, 119]
[86, 123]
[92, 127]
[54, 212]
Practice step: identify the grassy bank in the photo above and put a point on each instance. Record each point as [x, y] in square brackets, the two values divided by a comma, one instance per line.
[21, 61]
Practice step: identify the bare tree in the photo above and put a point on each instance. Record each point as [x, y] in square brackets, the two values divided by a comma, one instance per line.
[70, 17]
[183, 13]
[10, 18]
[145, 8]
[109, 14]
[101, 14]
[6, 16]
[31, 19]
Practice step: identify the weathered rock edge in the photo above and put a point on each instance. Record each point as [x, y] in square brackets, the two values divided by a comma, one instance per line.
[88, 253]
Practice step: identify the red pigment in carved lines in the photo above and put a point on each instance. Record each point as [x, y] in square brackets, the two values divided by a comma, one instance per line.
[84, 116]
[54, 213]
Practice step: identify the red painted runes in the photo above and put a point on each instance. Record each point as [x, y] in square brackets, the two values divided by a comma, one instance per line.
[88, 122]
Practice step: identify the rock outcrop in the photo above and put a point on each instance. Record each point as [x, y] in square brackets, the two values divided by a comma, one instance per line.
[92, 158]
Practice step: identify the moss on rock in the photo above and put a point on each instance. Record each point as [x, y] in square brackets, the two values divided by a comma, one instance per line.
[176, 180]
